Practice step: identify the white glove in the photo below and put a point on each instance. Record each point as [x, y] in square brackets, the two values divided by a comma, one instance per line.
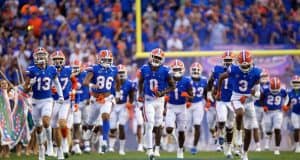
[210, 97]
[32, 81]
[61, 100]
[118, 94]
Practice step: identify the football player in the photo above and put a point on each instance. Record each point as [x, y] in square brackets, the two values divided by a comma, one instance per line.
[155, 81]
[39, 79]
[259, 110]
[80, 117]
[294, 96]
[103, 77]
[246, 79]
[275, 99]
[179, 99]
[122, 111]
[225, 112]
[61, 112]
[196, 110]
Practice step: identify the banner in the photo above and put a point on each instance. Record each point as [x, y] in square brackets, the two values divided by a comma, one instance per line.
[13, 125]
[19, 116]
[6, 125]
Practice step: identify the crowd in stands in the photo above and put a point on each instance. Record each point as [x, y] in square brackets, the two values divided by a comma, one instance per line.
[83, 27]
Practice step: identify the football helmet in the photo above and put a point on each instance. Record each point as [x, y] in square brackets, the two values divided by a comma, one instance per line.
[227, 58]
[105, 58]
[295, 82]
[122, 71]
[40, 56]
[264, 76]
[76, 67]
[196, 70]
[245, 61]
[157, 57]
[58, 59]
[275, 85]
[178, 68]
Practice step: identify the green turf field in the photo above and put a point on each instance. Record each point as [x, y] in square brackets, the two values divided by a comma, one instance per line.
[171, 156]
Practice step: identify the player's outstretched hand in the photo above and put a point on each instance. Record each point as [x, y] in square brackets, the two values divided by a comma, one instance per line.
[185, 94]
[188, 104]
[100, 99]
[209, 96]
[285, 108]
[265, 108]
[75, 109]
[61, 100]
[243, 99]
[141, 99]
[32, 81]
[207, 104]
[218, 95]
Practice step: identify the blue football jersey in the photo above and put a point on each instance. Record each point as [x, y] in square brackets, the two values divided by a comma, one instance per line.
[83, 92]
[183, 85]
[44, 78]
[154, 79]
[295, 100]
[198, 88]
[126, 88]
[263, 86]
[274, 101]
[244, 82]
[66, 85]
[103, 78]
[226, 90]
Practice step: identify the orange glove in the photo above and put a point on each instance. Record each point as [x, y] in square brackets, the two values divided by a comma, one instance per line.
[76, 107]
[167, 98]
[188, 104]
[53, 90]
[207, 105]
[100, 99]
[129, 107]
[285, 108]
[243, 99]
[185, 94]
[265, 108]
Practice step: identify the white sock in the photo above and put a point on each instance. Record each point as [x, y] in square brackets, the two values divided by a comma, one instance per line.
[49, 134]
[122, 145]
[100, 140]
[65, 145]
[297, 144]
[157, 148]
[40, 138]
[148, 135]
[112, 141]
[257, 145]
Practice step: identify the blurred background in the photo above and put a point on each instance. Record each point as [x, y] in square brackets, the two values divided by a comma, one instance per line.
[83, 27]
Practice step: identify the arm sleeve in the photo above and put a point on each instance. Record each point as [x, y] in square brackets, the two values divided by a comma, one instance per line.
[74, 82]
[257, 91]
[58, 87]
[286, 99]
